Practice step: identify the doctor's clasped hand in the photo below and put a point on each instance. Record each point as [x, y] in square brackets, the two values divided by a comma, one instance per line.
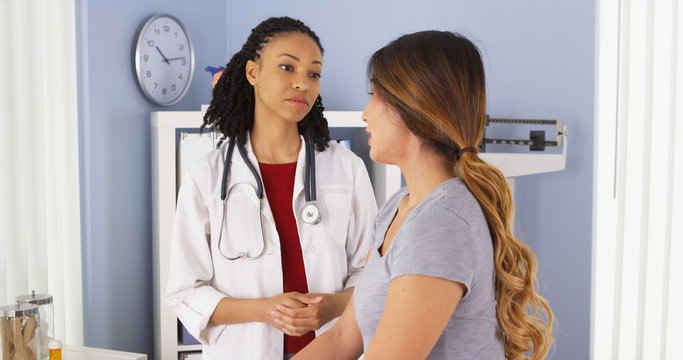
[301, 313]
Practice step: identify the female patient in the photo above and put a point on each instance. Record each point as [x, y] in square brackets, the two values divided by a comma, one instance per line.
[445, 278]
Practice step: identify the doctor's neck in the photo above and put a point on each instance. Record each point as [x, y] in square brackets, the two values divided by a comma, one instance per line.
[275, 142]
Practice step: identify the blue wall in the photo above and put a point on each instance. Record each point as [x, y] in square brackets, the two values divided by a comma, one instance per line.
[539, 59]
[115, 159]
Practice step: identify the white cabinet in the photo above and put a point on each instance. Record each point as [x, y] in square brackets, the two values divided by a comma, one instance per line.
[167, 127]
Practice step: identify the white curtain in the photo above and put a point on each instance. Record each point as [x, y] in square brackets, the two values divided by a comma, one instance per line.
[638, 218]
[40, 241]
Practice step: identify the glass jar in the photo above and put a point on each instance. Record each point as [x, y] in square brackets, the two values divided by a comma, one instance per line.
[47, 319]
[19, 332]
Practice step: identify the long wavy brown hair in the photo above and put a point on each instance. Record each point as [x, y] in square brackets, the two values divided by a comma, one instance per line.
[435, 80]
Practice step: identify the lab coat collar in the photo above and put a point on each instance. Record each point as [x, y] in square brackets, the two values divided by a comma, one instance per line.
[300, 167]
[240, 173]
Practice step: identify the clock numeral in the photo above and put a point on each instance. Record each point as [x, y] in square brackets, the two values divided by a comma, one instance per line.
[155, 85]
[180, 76]
[157, 32]
[167, 28]
[163, 91]
[173, 87]
[176, 34]
[182, 47]
[148, 73]
[145, 58]
[182, 61]
[150, 43]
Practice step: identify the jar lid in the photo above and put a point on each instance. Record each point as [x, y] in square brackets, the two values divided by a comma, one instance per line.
[54, 344]
[18, 310]
[33, 298]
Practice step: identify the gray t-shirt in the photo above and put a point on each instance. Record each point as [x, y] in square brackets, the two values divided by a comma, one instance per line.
[444, 236]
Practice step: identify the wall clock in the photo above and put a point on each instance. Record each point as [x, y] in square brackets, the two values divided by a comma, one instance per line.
[164, 59]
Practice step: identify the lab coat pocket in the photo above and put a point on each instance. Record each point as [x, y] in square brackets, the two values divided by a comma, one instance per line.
[338, 205]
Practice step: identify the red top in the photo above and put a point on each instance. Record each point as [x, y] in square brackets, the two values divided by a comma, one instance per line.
[278, 181]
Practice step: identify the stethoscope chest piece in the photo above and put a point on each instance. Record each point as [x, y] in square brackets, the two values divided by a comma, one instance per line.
[310, 214]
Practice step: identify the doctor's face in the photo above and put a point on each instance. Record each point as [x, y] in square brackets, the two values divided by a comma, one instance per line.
[286, 77]
[389, 136]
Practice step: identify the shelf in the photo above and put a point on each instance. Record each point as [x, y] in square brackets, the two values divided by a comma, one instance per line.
[192, 119]
[342, 119]
[193, 347]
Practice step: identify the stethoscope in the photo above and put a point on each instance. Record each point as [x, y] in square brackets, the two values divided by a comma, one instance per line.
[310, 214]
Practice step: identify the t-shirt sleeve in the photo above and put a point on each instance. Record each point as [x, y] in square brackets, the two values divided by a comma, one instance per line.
[436, 243]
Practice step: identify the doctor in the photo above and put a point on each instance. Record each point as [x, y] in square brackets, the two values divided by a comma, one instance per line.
[287, 226]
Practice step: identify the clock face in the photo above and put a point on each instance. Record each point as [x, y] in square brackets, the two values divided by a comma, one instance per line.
[164, 60]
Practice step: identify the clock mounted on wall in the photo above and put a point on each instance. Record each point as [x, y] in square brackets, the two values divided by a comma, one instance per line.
[164, 59]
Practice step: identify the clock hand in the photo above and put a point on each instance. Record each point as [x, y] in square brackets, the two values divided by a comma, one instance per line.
[177, 58]
[162, 55]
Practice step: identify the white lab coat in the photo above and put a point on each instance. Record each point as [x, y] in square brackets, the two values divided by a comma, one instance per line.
[334, 250]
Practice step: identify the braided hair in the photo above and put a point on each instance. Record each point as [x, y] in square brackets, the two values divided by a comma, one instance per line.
[232, 108]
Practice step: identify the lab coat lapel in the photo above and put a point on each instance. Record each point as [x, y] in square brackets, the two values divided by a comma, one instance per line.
[266, 212]
[299, 180]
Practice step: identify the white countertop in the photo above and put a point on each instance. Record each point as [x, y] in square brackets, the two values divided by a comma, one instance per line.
[71, 352]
